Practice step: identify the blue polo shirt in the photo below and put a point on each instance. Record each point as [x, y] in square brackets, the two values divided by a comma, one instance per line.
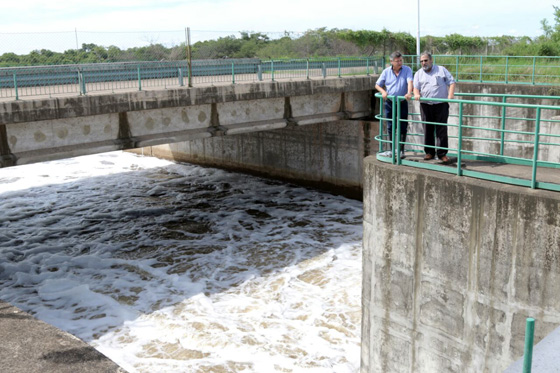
[395, 85]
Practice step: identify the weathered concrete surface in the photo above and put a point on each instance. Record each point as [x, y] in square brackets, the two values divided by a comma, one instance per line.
[29, 345]
[452, 267]
[54, 128]
[326, 155]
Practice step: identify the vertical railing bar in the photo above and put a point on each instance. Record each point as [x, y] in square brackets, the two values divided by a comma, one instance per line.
[460, 140]
[397, 121]
[233, 73]
[272, 69]
[529, 338]
[503, 124]
[339, 67]
[381, 123]
[536, 148]
[16, 87]
[307, 69]
[139, 79]
[394, 121]
[367, 66]
[534, 67]
[481, 69]
[507, 68]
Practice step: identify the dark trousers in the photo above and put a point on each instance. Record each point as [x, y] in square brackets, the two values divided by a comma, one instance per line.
[388, 108]
[437, 113]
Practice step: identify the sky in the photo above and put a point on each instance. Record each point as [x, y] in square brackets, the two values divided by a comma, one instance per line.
[209, 19]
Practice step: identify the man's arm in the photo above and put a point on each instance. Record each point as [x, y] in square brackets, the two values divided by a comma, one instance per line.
[382, 91]
[451, 91]
[409, 90]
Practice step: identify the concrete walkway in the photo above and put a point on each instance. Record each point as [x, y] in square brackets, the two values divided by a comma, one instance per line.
[29, 345]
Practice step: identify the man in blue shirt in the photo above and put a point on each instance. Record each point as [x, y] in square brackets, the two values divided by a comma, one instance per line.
[395, 80]
[434, 81]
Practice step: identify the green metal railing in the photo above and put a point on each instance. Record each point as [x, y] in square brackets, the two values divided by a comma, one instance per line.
[534, 70]
[111, 77]
[490, 130]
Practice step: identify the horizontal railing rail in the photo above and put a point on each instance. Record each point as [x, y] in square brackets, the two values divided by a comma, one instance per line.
[16, 82]
[535, 70]
[486, 129]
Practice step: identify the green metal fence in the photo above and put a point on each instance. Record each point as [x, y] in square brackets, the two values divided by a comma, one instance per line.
[490, 137]
[497, 69]
[111, 77]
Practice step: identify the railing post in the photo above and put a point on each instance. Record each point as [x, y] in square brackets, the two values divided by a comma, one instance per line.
[339, 67]
[233, 73]
[324, 68]
[367, 66]
[460, 141]
[507, 68]
[534, 67]
[307, 69]
[272, 69]
[381, 122]
[502, 135]
[259, 72]
[528, 352]
[181, 84]
[536, 149]
[139, 79]
[481, 69]
[395, 108]
[16, 87]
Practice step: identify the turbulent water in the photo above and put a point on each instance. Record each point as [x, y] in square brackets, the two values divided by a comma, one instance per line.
[168, 267]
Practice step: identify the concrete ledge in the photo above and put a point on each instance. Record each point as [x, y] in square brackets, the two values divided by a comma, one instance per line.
[29, 345]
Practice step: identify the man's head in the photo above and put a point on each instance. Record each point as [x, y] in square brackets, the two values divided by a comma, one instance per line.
[396, 60]
[426, 61]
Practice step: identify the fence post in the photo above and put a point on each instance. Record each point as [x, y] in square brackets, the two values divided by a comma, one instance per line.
[16, 87]
[259, 72]
[272, 69]
[502, 136]
[536, 148]
[233, 73]
[481, 69]
[507, 68]
[460, 140]
[324, 69]
[181, 84]
[307, 69]
[339, 67]
[139, 79]
[534, 67]
[528, 353]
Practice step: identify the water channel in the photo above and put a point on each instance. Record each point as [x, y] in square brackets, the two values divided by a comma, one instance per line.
[168, 267]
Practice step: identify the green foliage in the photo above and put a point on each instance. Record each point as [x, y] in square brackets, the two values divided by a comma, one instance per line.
[321, 42]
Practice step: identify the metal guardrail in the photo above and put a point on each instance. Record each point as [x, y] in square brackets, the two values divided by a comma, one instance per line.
[110, 77]
[536, 70]
[532, 141]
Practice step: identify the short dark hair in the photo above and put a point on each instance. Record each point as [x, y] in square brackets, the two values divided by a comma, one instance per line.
[426, 53]
[395, 54]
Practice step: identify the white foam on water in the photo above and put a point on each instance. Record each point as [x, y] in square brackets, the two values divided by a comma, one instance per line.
[170, 267]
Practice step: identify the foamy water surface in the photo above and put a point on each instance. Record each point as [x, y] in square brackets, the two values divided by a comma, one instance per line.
[170, 267]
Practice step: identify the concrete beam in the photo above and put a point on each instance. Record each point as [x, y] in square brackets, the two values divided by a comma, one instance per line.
[39, 130]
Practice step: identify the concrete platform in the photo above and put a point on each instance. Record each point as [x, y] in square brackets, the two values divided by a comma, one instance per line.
[30, 345]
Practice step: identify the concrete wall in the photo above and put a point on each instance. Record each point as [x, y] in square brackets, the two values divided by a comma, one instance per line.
[325, 155]
[452, 267]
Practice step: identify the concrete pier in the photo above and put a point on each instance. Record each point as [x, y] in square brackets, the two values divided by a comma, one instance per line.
[452, 267]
